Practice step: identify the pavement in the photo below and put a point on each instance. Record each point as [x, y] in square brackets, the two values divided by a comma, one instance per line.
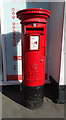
[12, 106]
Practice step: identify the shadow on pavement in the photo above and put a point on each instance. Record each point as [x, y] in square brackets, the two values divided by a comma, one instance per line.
[15, 94]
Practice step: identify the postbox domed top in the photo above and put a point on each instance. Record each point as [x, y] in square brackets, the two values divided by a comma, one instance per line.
[33, 12]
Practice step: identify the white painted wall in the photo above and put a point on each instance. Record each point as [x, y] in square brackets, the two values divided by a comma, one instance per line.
[63, 63]
[0, 61]
[61, 82]
[55, 39]
[7, 39]
[65, 47]
[0, 47]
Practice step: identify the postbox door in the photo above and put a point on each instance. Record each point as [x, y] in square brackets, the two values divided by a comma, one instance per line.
[34, 59]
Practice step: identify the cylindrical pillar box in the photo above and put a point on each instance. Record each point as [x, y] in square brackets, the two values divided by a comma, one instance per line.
[33, 23]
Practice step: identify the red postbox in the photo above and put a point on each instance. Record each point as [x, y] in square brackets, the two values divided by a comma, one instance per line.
[33, 22]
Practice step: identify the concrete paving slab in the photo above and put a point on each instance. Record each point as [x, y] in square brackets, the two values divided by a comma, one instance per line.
[12, 107]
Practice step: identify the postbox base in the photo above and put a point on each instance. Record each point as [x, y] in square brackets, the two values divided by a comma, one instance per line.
[32, 97]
